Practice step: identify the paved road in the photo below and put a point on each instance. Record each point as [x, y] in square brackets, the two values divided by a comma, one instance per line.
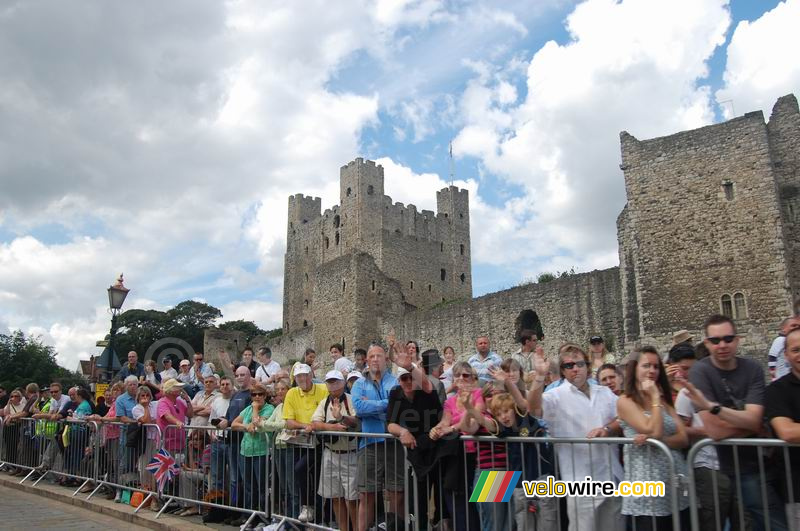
[21, 510]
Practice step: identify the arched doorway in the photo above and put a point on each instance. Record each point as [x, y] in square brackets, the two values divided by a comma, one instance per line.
[528, 320]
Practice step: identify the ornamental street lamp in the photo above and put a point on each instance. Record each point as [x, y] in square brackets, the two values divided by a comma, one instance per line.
[108, 359]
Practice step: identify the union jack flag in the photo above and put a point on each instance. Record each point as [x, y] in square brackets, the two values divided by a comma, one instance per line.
[163, 468]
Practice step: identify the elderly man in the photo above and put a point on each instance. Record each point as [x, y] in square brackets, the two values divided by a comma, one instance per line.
[484, 359]
[298, 408]
[579, 408]
[133, 368]
[339, 477]
[200, 370]
[381, 463]
[238, 402]
[124, 411]
[169, 371]
[201, 403]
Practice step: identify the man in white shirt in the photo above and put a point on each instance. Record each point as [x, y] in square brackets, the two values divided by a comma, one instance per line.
[579, 408]
[169, 371]
[202, 401]
[267, 367]
[219, 448]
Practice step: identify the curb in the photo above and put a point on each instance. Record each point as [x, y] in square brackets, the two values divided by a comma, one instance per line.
[124, 513]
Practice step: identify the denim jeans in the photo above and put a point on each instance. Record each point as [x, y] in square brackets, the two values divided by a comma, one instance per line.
[753, 503]
[493, 515]
[219, 458]
[253, 475]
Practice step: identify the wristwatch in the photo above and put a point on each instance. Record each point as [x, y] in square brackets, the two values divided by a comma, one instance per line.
[715, 410]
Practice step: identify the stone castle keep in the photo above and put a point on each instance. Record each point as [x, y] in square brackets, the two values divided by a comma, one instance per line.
[710, 226]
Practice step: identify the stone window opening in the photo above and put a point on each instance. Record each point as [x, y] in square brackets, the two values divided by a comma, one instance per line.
[739, 306]
[336, 238]
[344, 286]
[430, 288]
[336, 220]
[306, 277]
[287, 325]
[726, 306]
[305, 324]
[370, 190]
[727, 188]
[463, 277]
[306, 303]
[373, 285]
[461, 216]
[291, 225]
[327, 242]
[441, 247]
[461, 249]
[442, 299]
[443, 274]
[412, 284]
[349, 192]
[306, 249]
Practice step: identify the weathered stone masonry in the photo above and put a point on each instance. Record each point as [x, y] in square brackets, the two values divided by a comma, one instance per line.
[710, 225]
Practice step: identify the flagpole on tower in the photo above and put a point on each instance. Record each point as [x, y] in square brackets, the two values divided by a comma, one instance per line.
[452, 165]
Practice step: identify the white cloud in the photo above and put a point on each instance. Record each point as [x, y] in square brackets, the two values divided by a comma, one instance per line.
[632, 65]
[762, 61]
[266, 315]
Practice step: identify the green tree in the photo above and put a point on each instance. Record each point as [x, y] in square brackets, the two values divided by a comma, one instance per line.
[27, 359]
[248, 328]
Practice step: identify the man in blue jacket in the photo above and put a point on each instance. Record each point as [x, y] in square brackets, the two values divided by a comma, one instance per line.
[381, 462]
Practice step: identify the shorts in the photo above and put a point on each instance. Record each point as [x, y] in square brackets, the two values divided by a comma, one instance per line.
[339, 476]
[381, 465]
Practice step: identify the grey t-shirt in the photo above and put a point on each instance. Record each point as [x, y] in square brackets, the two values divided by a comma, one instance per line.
[733, 389]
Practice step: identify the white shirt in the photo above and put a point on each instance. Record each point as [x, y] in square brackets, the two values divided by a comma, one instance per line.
[219, 408]
[265, 371]
[707, 457]
[570, 413]
[201, 399]
[61, 401]
[776, 350]
[138, 412]
[168, 373]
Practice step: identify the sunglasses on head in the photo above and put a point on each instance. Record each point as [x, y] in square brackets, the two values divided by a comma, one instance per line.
[463, 375]
[573, 364]
[258, 394]
[718, 340]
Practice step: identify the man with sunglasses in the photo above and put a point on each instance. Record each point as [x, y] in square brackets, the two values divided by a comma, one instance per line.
[580, 408]
[728, 392]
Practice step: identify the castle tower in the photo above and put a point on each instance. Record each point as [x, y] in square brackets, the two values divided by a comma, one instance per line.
[301, 260]
[702, 231]
[453, 205]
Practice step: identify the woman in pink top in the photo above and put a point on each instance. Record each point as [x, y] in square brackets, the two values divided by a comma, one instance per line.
[456, 493]
[174, 409]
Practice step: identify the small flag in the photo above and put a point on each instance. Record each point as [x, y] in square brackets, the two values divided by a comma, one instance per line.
[163, 468]
[495, 486]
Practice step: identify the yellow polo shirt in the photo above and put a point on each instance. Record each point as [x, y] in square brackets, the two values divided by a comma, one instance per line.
[300, 406]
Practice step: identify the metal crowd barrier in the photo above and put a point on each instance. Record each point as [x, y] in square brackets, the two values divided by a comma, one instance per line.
[748, 497]
[327, 472]
[286, 473]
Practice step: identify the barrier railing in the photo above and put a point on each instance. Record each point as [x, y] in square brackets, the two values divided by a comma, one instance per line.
[329, 480]
[742, 484]
[566, 459]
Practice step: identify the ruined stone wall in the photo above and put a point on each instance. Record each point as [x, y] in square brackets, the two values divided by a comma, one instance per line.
[703, 222]
[784, 144]
[569, 309]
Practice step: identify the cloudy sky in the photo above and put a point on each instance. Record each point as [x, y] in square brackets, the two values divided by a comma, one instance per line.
[162, 139]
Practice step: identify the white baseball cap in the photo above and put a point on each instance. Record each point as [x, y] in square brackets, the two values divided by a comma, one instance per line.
[353, 375]
[301, 368]
[344, 365]
[401, 371]
[334, 375]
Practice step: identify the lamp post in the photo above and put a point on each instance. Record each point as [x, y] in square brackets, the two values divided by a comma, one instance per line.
[116, 297]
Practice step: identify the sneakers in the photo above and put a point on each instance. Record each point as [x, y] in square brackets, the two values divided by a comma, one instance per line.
[306, 514]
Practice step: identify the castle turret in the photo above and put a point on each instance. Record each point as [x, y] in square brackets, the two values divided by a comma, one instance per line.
[453, 204]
